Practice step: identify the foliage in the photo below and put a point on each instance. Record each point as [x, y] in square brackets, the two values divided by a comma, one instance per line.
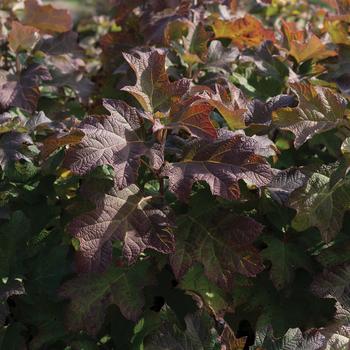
[174, 175]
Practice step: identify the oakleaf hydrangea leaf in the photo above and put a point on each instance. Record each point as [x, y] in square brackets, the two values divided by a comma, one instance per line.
[232, 105]
[153, 90]
[199, 334]
[220, 164]
[223, 250]
[319, 109]
[294, 339]
[47, 18]
[285, 258]
[247, 31]
[304, 47]
[22, 90]
[90, 295]
[114, 139]
[193, 115]
[123, 215]
[320, 204]
[22, 37]
[11, 145]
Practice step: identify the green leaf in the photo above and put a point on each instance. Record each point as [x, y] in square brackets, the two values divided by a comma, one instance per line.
[320, 204]
[285, 258]
[195, 282]
[90, 295]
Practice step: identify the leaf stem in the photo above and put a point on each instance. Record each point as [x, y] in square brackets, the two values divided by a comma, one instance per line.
[18, 64]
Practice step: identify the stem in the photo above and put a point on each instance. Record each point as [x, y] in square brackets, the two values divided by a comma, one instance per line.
[18, 65]
[189, 71]
[161, 187]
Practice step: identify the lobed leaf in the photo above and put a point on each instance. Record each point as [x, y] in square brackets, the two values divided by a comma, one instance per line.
[123, 215]
[319, 109]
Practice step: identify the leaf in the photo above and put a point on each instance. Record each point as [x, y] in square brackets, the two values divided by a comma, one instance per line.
[195, 282]
[220, 56]
[294, 339]
[320, 204]
[61, 44]
[244, 32]
[338, 31]
[14, 237]
[22, 91]
[193, 115]
[195, 44]
[22, 37]
[123, 215]
[90, 295]
[53, 142]
[223, 246]
[345, 146]
[114, 139]
[302, 48]
[261, 112]
[319, 109]
[285, 182]
[11, 288]
[334, 283]
[46, 18]
[153, 90]
[221, 164]
[200, 334]
[11, 145]
[230, 105]
[285, 258]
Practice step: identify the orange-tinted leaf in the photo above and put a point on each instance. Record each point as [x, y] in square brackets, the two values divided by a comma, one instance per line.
[311, 49]
[56, 141]
[153, 90]
[244, 32]
[192, 114]
[291, 33]
[22, 37]
[304, 48]
[338, 31]
[231, 106]
[47, 18]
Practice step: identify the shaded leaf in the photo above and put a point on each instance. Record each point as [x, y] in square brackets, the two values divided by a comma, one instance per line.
[200, 334]
[195, 282]
[90, 296]
[223, 252]
[13, 287]
[285, 258]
